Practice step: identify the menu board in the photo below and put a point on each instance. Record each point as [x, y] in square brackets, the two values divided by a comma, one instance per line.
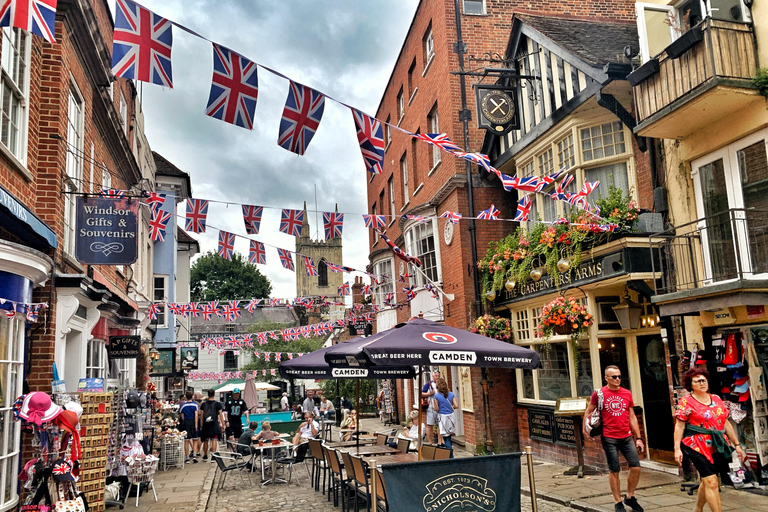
[564, 430]
[540, 424]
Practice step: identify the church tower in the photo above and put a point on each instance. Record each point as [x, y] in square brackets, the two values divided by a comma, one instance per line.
[326, 282]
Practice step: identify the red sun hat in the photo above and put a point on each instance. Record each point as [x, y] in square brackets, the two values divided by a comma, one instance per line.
[37, 408]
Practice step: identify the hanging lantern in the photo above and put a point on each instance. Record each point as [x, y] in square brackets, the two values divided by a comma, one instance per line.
[510, 284]
[154, 354]
[563, 265]
[536, 274]
[491, 295]
[628, 312]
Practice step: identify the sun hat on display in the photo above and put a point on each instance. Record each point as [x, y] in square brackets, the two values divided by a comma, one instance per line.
[37, 408]
[74, 407]
[68, 421]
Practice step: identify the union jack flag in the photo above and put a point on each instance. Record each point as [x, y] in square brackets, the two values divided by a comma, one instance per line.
[417, 218]
[234, 88]
[61, 469]
[175, 308]
[32, 313]
[588, 188]
[560, 192]
[389, 298]
[367, 289]
[343, 289]
[252, 305]
[523, 208]
[333, 267]
[310, 266]
[197, 211]
[10, 313]
[267, 354]
[286, 259]
[301, 117]
[508, 182]
[257, 254]
[370, 136]
[274, 302]
[252, 218]
[491, 213]
[409, 293]
[317, 330]
[157, 225]
[479, 158]
[155, 200]
[453, 217]
[399, 252]
[111, 193]
[141, 49]
[273, 372]
[153, 311]
[333, 224]
[248, 340]
[440, 140]
[193, 309]
[291, 221]
[374, 221]
[209, 310]
[226, 245]
[405, 276]
[36, 16]
[530, 184]
[551, 178]
[431, 288]
[232, 310]
[261, 337]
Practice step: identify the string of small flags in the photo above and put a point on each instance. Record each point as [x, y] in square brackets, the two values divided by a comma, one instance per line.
[32, 309]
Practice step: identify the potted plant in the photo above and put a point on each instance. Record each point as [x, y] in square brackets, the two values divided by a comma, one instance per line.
[494, 327]
[564, 316]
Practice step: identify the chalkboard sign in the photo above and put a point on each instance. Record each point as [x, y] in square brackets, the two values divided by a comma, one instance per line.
[124, 347]
[540, 425]
[564, 433]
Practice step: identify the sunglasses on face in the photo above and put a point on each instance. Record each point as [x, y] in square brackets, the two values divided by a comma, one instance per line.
[616, 377]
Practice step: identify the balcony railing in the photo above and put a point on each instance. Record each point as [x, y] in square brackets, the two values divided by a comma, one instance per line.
[728, 246]
[726, 51]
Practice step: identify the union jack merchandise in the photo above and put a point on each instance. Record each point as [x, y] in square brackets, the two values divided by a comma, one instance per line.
[153, 310]
[252, 305]
[157, 225]
[111, 193]
[257, 254]
[155, 200]
[301, 117]
[523, 208]
[491, 213]
[370, 136]
[333, 267]
[374, 221]
[440, 140]
[343, 289]
[234, 89]
[226, 245]
[399, 252]
[291, 221]
[286, 259]
[141, 48]
[453, 217]
[333, 223]
[36, 16]
[197, 211]
[252, 218]
[310, 266]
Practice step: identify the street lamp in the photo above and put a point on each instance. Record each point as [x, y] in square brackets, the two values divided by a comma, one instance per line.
[628, 312]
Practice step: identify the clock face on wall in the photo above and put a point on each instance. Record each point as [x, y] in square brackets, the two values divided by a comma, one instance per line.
[498, 107]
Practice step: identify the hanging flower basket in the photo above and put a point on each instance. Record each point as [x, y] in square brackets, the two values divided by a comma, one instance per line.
[565, 317]
[563, 330]
[494, 327]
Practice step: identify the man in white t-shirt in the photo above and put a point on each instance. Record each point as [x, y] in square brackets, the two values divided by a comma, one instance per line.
[307, 430]
[284, 402]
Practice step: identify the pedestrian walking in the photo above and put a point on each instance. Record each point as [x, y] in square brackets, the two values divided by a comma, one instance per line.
[235, 407]
[444, 404]
[284, 403]
[213, 423]
[621, 433]
[189, 413]
[428, 392]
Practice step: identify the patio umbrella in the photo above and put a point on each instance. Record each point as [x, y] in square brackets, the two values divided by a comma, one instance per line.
[249, 392]
[228, 386]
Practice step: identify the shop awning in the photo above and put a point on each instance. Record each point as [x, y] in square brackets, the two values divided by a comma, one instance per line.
[19, 220]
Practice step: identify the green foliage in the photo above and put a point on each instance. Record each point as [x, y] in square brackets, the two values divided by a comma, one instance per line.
[303, 346]
[214, 278]
[761, 81]
[619, 209]
[348, 388]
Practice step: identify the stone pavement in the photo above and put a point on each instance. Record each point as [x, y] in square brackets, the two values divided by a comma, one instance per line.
[189, 490]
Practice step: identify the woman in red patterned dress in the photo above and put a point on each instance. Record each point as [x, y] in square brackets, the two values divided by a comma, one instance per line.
[701, 422]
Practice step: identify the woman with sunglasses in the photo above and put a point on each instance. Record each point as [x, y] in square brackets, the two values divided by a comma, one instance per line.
[701, 428]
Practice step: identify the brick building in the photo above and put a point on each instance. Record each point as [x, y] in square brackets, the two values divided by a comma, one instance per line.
[68, 128]
[423, 95]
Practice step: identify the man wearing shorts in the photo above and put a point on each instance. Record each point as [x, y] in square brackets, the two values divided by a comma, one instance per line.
[213, 420]
[428, 392]
[189, 413]
[621, 433]
[235, 407]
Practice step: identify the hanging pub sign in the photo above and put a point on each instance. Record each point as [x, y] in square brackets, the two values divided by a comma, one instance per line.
[106, 230]
[497, 108]
[124, 347]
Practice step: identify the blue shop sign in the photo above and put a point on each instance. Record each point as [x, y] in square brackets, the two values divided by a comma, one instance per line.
[106, 231]
[20, 220]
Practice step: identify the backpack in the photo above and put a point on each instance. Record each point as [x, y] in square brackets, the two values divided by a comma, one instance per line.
[209, 409]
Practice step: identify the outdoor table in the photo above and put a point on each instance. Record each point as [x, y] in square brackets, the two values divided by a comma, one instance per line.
[397, 458]
[371, 450]
[274, 447]
[346, 444]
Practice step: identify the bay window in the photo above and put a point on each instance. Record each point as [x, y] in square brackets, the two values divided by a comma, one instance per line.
[420, 240]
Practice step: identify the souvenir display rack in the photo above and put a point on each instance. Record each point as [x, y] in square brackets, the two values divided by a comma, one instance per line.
[95, 427]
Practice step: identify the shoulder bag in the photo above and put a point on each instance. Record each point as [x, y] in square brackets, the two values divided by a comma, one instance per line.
[595, 420]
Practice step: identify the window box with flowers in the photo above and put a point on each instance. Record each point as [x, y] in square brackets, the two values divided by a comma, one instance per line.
[495, 327]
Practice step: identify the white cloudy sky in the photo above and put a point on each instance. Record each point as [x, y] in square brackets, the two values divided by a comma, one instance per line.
[344, 48]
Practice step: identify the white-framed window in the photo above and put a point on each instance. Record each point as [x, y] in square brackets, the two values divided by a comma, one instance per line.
[106, 177]
[391, 187]
[123, 114]
[655, 28]
[15, 92]
[11, 383]
[160, 294]
[434, 127]
[388, 132]
[527, 170]
[612, 174]
[120, 369]
[733, 178]
[546, 162]
[400, 106]
[728, 10]
[95, 359]
[404, 172]
[420, 239]
[429, 48]
[603, 141]
[74, 166]
[474, 6]
[384, 268]
[565, 152]
[558, 374]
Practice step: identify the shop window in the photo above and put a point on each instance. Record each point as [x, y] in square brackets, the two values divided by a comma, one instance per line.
[613, 351]
[230, 361]
[554, 379]
[546, 163]
[421, 243]
[606, 317]
[383, 268]
[11, 381]
[603, 141]
[15, 92]
[95, 359]
[523, 330]
[160, 295]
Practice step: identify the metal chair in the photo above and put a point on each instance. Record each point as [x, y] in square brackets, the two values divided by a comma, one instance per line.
[236, 464]
[299, 458]
[319, 464]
